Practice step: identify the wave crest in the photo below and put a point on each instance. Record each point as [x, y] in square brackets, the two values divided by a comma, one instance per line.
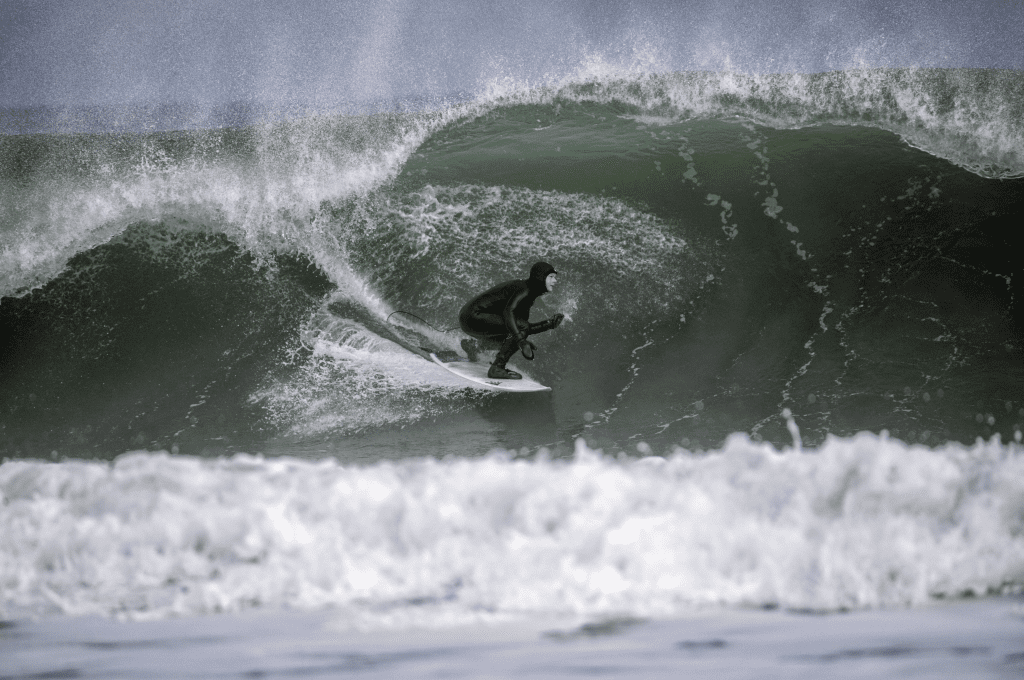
[971, 117]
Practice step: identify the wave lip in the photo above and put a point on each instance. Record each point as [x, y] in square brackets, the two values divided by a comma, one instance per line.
[860, 522]
[265, 185]
[970, 117]
[262, 186]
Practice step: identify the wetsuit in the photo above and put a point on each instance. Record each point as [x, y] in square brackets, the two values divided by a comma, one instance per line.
[502, 314]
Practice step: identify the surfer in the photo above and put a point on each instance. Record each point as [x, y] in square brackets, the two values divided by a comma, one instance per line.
[502, 315]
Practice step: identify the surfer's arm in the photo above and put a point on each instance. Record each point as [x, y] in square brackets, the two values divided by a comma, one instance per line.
[509, 313]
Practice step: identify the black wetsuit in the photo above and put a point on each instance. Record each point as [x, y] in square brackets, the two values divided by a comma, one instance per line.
[502, 314]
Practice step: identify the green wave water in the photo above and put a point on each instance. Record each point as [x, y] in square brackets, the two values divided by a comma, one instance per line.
[731, 246]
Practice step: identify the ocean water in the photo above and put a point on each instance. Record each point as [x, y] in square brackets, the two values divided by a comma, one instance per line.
[789, 378]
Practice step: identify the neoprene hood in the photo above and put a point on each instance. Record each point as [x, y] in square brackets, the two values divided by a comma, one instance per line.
[538, 273]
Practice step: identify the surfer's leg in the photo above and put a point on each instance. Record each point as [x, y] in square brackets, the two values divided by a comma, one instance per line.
[505, 352]
[488, 329]
[484, 326]
[479, 342]
[474, 345]
[471, 347]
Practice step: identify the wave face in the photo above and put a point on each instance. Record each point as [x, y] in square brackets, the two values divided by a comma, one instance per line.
[731, 246]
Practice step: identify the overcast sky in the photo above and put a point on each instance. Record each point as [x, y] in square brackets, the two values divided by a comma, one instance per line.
[75, 52]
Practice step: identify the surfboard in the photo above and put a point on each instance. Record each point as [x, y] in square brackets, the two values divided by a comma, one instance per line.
[476, 373]
[405, 338]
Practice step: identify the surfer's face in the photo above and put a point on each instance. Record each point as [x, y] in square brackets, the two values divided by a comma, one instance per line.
[550, 281]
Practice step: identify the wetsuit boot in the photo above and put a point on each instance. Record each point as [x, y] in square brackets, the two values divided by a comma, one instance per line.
[497, 369]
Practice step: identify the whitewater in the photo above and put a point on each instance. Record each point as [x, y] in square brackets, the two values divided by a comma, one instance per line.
[860, 522]
[520, 567]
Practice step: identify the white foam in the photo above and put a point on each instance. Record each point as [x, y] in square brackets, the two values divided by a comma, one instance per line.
[355, 379]
[860, 522]
[469, 233]
[266, 202]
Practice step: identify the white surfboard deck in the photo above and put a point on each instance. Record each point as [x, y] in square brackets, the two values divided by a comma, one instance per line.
[477, 373]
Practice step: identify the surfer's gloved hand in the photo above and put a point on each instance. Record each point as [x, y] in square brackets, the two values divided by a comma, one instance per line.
[527, 348]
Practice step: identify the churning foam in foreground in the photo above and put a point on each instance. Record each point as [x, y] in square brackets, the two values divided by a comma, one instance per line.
[861, 522]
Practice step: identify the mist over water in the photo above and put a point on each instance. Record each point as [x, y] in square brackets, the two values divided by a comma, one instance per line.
[786, 255]
[329, 56]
